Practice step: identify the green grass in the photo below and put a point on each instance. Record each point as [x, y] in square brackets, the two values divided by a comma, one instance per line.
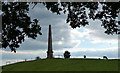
[64, 65]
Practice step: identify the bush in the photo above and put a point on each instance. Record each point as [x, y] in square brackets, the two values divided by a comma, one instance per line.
[67, 54]
[37, 57]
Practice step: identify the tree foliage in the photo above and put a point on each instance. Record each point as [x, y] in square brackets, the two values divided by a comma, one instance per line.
[67, 54]
[78, 13]
[17, 24]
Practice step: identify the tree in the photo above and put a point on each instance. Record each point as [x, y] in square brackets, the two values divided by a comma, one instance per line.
[84, 56]
[67, 54]
[17, 24]
[37, 58]
[79, 12]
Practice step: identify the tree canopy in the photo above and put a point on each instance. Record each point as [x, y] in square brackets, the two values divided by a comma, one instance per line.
[79, 12]
[67, 54]
[17, 24]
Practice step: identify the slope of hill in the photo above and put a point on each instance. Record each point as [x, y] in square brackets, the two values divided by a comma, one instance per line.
[64, 65]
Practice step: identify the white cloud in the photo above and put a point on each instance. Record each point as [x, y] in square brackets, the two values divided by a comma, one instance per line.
[1, 12]
[93, 49]
[96, 33]
[62, 50]
[75, 33]
[19, 52]
[98, 37]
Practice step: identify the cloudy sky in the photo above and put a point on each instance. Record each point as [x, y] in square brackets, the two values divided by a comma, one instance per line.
[90, 40]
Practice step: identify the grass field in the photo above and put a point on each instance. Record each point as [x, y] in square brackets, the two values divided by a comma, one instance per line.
[64, 65]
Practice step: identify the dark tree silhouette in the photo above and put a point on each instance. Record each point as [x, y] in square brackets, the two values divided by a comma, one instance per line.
[37, 58]
[84, 56]
[67, 54]
[79, 12]
[17, 24]
[105, 57]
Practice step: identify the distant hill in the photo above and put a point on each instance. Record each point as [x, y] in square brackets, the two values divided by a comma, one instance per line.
[64, 65]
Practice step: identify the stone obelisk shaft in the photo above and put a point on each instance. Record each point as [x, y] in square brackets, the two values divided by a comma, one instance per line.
[50, 52]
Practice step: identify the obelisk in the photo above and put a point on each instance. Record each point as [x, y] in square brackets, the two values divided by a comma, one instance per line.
[49, 52]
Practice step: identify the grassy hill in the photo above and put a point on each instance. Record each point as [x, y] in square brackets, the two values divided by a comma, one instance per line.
[64, 65]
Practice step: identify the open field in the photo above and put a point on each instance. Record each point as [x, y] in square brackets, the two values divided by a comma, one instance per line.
[64, 65]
